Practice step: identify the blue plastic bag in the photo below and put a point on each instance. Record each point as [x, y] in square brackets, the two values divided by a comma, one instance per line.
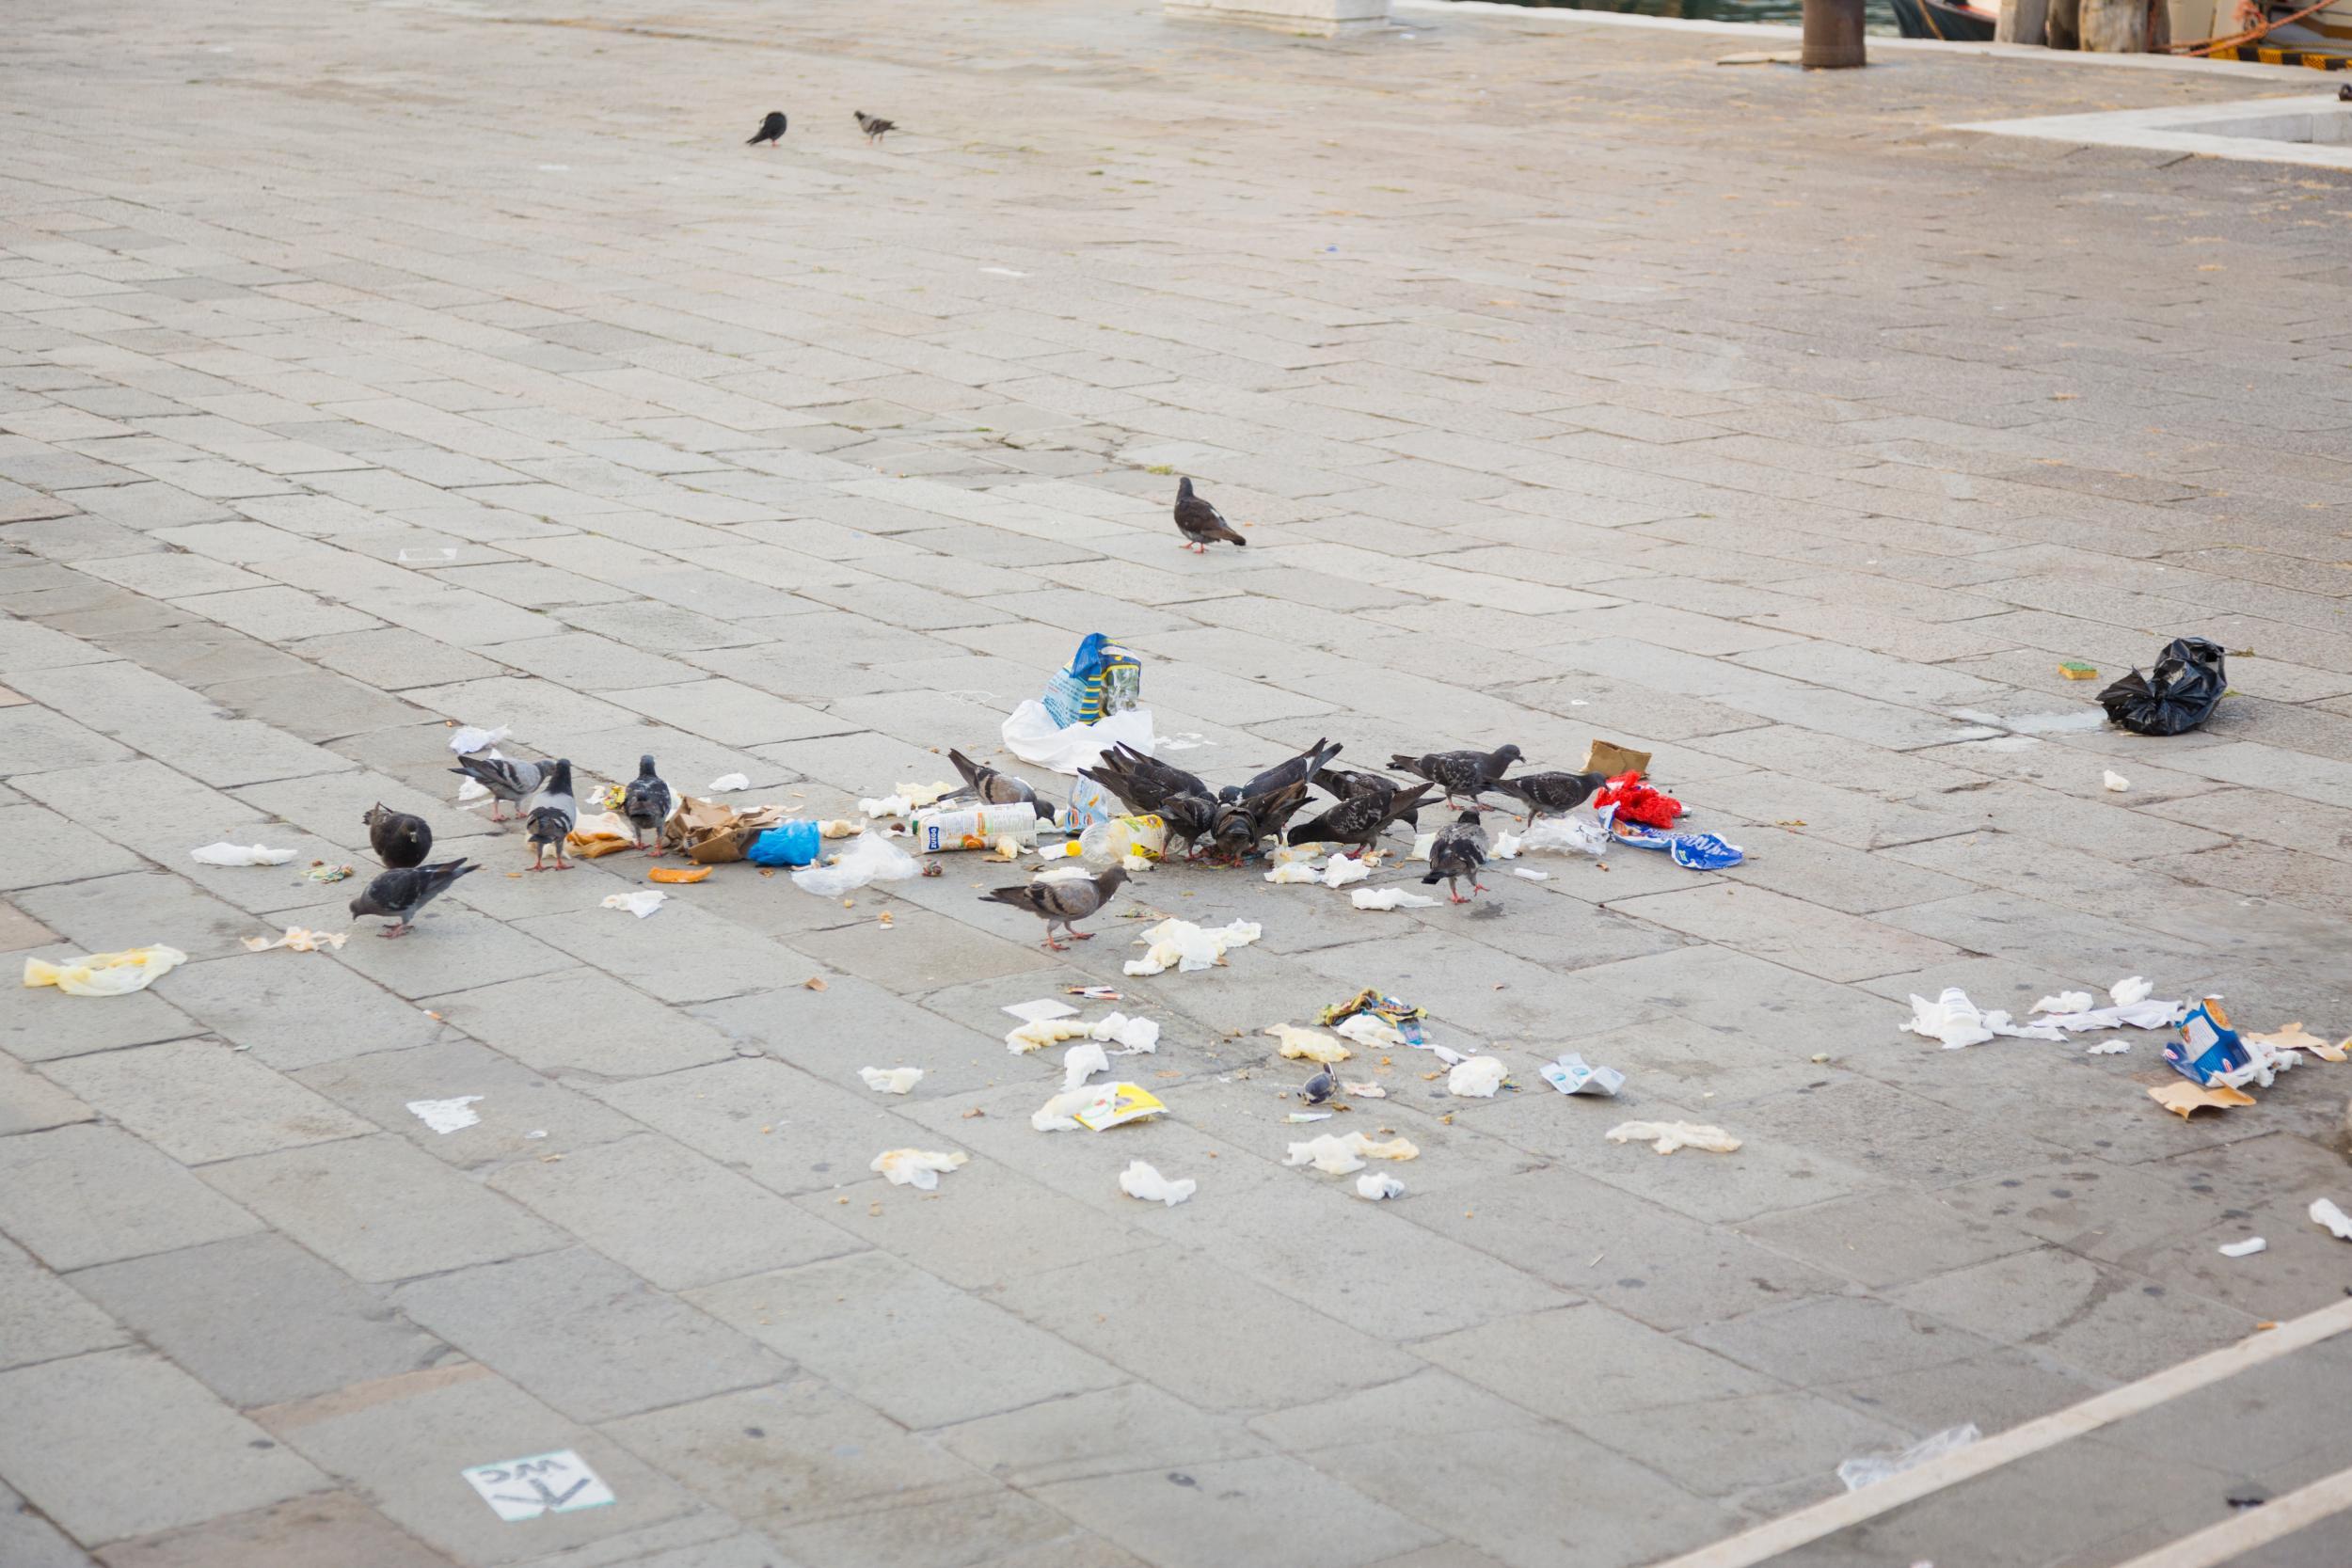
[793, 843]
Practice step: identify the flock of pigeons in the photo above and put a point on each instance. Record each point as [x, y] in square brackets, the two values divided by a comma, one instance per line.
[771, 129]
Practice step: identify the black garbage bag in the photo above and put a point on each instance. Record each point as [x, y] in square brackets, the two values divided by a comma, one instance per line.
[2175, 697]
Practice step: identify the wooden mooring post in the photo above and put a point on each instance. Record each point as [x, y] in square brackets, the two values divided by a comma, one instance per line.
[1833, 36]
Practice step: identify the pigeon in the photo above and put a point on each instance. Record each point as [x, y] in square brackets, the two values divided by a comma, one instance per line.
[401, 841]
[400, 895]
[1459, 773]
[504, 778]
[1459, 851]
[770, 130]
[996, 788]
[1200, 523]
[1061, 901]
[874, 126]
[1297, 771]
[1345, 784]
[2344, 93]
[552, 819]
[1189, 819]
[1358, 819]
[1321, 1086]
[1549, 794]
[1141, 783]
[1239, 824]
[646, 803]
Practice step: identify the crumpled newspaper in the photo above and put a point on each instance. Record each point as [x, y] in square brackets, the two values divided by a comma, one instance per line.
[1667, 1136]
[1185, 946]
[640, 903]
[236, 854]
[897, 1080]
[297, 940]
[1476, 1078]
[1144, 1181]
[918, 1169]
[1310, 1045]
[108, 973]
[1390, 898]
[1341, 1153]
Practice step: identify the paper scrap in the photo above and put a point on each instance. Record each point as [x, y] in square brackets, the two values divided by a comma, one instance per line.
[2108, 1048]
[2182, 1098]
[1040, 1009]
[1294, 871]
[1379, 1184]
[1506, 846]
[1667, 1136]
[1476, 1079]
[2339, 1224]
[1340, 870]
[2293, 1037]
[640, 903]
[1310, 1045]
[1096, 1107]
[1369, 1030]
[108, 973]
[1363, 1091]
[2115, 782]
[520, 1489]
[446, 1115]
[1421, 844]
[727, 784]
[1390, 898]
[465, 740]
[2245, 1248]
[1340, 1154]
[232, 854]
[1188, 947]
[1081, 1062]
[897, 1080]
[1142, 1180]
[1532, 875]
[2125, 993]
[1299, 1118]
[2064, 1002]
[297, 940]
[917, 1167]
[1572, 1074]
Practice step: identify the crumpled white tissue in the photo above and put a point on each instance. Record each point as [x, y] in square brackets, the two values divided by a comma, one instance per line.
[1134, 1036]
[446, 1115]
[466, 739]
[1340, 1154]
[1421, 846]
[1185, 946]
[2125, 993]
[1294, 871]
[886, 805]
[1958, 1022]
[1390, 898]
[1031, 734]
[1667, 1136]
[1082, 1062]
[1142, 1180]
[2324, 1212]
[1506, 846]
[1477, 1079]
[1340, 870]
[897, 1080]
[1379, 1184]
[918, 1169]
[1312, 1045]
[1369, 1030]
[727, 784]
[640, 903]
[1951, 1018]
[1872, 1468]
[2064, 1002]
[2115, 781]
[2245, 1248]
[235, 855]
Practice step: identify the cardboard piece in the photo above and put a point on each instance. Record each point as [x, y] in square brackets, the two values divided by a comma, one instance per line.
[2184, 1098]
[1608, 758]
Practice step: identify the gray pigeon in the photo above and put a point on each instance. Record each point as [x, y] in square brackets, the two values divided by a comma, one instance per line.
[400, 895]
[1061, 901]
[1200, 523]
[1142, 783]
[1358, 819]
[1459, 851]
[996, 788]
[1345, 784]
[875, 127]
[552, 819]
[1321, 1086]
[1549, 794]
[1459, 773]
[401, 841]
[1297, 771]
[646, 803]
[504, 778]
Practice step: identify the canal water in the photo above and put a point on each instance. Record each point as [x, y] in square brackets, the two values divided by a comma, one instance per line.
[1881, 19]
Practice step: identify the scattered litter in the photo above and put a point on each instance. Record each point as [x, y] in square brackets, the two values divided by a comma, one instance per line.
[1422, 844]
[1371, 1031]
[1958, 1022]
[1576, 835]
[871, 858]
[106, 974]
[1031, 734]
[2293, 1037]
[885, 805]
[1379, 1184]
[727, 784]
[1096, 1108]
[1363, 1091]
[1294, 871]
[1476, 1079]
[2245, 1248]
[1026, 1037]
[2115, 782]
[2324, 1212]
[1340, 1154]
[1951, 1018]
[1008, 272]
[2064, 1002]
[1191, 740]
[2209, 1051]
[1142, 1180]
[558, 1483]
[2074, 670]
[1135, 1036]
[1185, 946]
[676, 874]
[710, 833]
[1635, 801]
[917, 1167]
[1081, 1062]
[1390, 898]
[1095, 993]
[1340, 870]
[897, 1080]
[319, 871]
[1667, 1136]
[640, 903]
[2184, 1098]
[1506, 847]
[231, 854]
[1039, 1010]
[1310, 1045]
[1398, 1014]
[1531, 876]
[1691, 852]
[1572, 1074]
[1866, 1471]
[297, 939]
[446, 1115]
[2174, 698]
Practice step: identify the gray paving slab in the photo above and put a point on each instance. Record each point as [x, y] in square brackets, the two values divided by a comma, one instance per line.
[201, 1100]
[319, 1528]
[82, 1194]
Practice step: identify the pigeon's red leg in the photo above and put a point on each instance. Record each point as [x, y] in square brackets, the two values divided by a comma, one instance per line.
[393, 930]
[560, 863]
[1078, 935]
[1053, 946]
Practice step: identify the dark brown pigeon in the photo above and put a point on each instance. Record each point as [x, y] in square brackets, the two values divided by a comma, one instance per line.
[1201, 524]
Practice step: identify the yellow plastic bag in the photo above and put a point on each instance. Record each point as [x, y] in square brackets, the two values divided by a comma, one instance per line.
[106, 974]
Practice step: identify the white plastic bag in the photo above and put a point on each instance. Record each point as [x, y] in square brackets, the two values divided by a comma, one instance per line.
[867, 858]
[1576, 835]
[1031, 734]
[1390, 898]
[1859, 1473]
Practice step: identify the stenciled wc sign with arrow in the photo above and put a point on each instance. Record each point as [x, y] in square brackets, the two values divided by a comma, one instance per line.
[523, 1489]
